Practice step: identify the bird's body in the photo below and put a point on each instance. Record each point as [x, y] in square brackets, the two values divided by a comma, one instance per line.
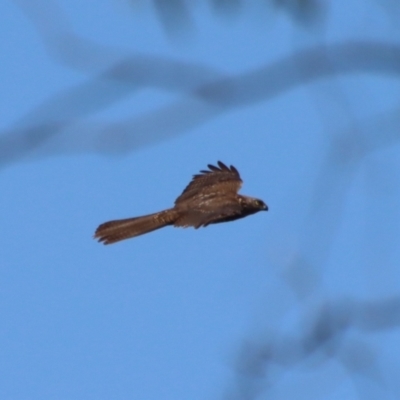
[211, 197]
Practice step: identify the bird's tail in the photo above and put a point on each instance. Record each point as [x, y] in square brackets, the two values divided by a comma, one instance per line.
[114, 231]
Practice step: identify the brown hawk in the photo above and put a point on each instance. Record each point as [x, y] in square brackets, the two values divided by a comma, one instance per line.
[211, 197]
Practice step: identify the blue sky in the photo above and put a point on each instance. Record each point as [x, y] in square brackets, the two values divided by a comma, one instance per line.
[106, 113]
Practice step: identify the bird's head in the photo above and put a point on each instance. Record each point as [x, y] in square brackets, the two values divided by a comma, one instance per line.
[259, 204]
[252, 204]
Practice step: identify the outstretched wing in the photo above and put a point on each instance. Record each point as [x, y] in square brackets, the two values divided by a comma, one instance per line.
[217, 180]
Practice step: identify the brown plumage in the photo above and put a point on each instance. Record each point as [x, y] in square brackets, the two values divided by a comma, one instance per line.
[211, 197]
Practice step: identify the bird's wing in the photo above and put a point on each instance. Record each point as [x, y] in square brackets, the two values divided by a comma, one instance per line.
[198, 217]
[221, 179]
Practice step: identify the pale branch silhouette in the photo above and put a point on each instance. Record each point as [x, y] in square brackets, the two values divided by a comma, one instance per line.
[175, 16]
[211, 92]
[210, 96]
[332, 333]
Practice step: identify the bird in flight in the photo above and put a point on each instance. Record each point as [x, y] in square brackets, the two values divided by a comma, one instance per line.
[211, 197]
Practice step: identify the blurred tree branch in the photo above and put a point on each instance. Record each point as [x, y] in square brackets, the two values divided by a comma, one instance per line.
[211, 95]
[332, 333]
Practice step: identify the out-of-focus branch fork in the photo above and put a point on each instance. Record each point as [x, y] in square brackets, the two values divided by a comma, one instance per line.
[209, 95]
